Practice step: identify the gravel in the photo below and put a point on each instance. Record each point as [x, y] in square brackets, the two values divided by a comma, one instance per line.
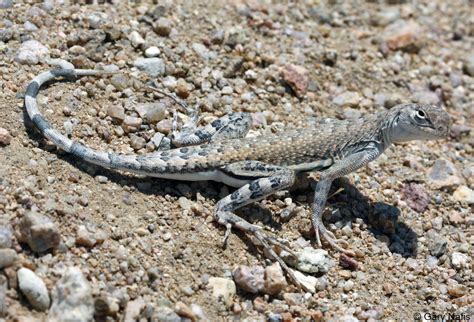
[151, 246]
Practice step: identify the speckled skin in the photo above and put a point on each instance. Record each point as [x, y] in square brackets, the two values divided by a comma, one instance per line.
[262, 165]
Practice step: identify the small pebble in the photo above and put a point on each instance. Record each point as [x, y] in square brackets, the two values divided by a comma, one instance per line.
[309, 260]
[162, 27]
[8, 257]
[154, 67]
[347, 99]
[464, 194]
[5, 237]
[459, 260]
[275, 280]
[222, 288]
[152, 51]
[72, 298]
[136, 39]
[31, 52]
[34, 289]
[297, 77]
[5, 137]
[39, 232]
[443, 174]
[250, 279]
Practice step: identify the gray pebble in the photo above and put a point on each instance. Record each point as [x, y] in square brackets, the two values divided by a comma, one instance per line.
[8, 256]
[348, 286]
[31, 52]
[101, 179]
[201, 51]
[5, 237]
[437, 245]
[154, 67]
[137, 142]
[309, 260]
[274, 317]
[152, 112]
[444, 174]
[34, 289]
[459, 260]
[119, 81]
[347, 99]
[39, 232]
[250, 279]
[5, 34]
[98, 20]
[468, 64]
[136, 39]
[218, 37]
[162, 27]
[426, 97]
[5, 4]
[116, 111]
[72, 298]
[68, 127]
[29, 26]
[385, 17]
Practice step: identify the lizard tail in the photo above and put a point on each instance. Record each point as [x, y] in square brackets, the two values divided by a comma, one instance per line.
[82, 152]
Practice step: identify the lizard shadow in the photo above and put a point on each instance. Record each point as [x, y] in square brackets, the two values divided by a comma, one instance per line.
[381, 218]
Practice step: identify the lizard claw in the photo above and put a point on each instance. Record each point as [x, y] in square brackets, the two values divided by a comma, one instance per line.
[267, 242]
[331, 239]
[228, 230]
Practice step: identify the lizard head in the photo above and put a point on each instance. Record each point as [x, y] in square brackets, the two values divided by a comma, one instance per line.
[418, 122]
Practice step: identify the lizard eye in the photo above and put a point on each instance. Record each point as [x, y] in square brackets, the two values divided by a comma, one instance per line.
[421, 114]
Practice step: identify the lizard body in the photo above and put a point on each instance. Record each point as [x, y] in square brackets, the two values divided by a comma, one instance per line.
[262, 165]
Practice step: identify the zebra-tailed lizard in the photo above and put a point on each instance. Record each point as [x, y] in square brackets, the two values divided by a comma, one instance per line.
[263, 165]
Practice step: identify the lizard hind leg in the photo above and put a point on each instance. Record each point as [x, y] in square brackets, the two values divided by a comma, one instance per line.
[231, 126]
[276, 178]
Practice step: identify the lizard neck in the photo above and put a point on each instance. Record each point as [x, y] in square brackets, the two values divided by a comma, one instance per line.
[388, 128]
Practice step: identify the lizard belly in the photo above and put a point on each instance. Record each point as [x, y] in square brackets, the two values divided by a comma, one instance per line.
[191, 176]
[213, 175]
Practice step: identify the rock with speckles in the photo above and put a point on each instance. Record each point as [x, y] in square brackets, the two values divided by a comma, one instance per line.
[250, 279]
[5, 137]
[154, 67]
[34, 289]
[464, 194]
[403, 35]
[5, 237]
[31, 52]
[309, 260]
[443, 174]
[72, 298]
[222, 288]
[297, 77]
[39, 232]
[416, 197]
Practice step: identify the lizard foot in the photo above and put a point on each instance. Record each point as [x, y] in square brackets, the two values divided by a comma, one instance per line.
[268, 243]
[335, 243]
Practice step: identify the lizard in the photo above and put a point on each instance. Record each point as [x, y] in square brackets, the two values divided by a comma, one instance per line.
[258, 166]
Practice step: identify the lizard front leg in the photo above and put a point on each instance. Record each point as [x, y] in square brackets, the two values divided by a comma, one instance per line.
[276, 178]
[338, 169]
